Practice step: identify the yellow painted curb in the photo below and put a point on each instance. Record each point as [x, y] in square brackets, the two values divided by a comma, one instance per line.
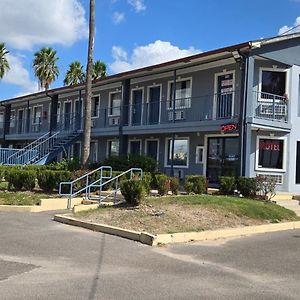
[182, 237]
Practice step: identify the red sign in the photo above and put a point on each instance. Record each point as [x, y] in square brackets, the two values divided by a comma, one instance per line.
[269, 145]
[228, 128]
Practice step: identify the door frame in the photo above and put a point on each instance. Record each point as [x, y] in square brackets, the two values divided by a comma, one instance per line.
[131, 104]
[216, 92]
[151, 140]
[160, 99]
[22, 125]
[206, 136]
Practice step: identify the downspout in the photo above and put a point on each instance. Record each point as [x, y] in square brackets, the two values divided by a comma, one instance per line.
[174, 115]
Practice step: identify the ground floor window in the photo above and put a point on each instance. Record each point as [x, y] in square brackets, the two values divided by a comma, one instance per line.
[113, 148]
[181, 152]
[270, 153]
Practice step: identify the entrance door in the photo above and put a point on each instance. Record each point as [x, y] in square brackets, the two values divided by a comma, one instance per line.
[136, 109]
[224, 96]
[67, 115]
[152, 148]
[20, 120]
[154, 103]
[222, 158]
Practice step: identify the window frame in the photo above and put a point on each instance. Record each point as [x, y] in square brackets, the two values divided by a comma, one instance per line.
[146, 148]
[33, 121]
[283, 169]
[170, 100]
[110, 107]
[131, 100]
[98, 109]
[129, 145]
[197, 161]
[108, 148]
[167, 154]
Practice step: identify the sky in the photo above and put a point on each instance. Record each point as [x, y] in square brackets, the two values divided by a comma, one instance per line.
[130, 33]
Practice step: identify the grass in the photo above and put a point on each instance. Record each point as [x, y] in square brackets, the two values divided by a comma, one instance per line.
[189, 213]
[21, 198]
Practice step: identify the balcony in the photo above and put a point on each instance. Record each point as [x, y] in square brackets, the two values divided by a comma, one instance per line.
[270, 107]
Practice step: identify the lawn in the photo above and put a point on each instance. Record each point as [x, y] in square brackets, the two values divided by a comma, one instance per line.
[189, 213]
[21, 198]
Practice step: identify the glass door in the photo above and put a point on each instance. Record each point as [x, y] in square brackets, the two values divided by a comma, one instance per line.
[222, 158]
[136, 109]
[224, 96]
[67, 115]
[20, 120]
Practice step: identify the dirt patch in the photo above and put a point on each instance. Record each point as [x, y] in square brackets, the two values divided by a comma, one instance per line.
[167, 218]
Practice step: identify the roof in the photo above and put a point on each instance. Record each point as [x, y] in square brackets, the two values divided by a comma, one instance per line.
[162, 67]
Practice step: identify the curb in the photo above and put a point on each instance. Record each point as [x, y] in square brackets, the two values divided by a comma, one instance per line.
[182, 237]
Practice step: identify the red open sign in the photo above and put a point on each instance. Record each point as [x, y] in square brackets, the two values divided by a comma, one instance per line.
[231, 127]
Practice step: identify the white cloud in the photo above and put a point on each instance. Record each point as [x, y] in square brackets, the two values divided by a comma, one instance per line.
[153, 53]
[18, 75]
[138, 5]
[26, 23]
[118, 17]
[284, 29]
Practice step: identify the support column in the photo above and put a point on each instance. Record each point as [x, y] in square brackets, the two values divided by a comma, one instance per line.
[123, 139]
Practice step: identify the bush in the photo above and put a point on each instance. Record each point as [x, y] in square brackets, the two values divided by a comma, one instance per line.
[49, 180]
[18, 178]
[195, 184]
[247, 186]
[147, 179]
[174, 185]
[163, 184]
[133, 191]
[227, 185]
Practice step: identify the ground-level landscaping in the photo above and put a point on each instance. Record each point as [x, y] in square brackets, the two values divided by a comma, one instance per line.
[21, 198]
[172, 214]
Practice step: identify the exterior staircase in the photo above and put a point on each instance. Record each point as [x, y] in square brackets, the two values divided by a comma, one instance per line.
[45, 148]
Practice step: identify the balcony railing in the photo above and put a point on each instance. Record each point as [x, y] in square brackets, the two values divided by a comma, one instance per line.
[271, 107]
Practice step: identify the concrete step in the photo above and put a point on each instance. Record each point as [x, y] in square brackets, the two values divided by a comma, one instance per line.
[283, 196]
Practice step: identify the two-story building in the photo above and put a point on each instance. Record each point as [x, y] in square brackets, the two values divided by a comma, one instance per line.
[230, 111]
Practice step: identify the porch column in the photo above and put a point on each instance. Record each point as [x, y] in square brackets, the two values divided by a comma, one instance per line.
[123, 139]
[249, 87]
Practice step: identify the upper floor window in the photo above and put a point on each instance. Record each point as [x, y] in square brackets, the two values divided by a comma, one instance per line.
[95, 106]
[115, 104]
[37, 114]
[273, 82]
[182, 94]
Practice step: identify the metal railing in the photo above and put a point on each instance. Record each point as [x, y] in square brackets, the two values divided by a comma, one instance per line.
[5, 153]
[88, 188]
[271, 107]
[83, 183]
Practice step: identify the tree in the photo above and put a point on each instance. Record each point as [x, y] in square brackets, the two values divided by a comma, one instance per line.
[75, 74]
[86, 139]
[4, 65]
[45, 67]
[99, 70]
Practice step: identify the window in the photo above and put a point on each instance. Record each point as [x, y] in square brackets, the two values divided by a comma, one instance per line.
[95, 106]
[199, 154]
[181, 146]
[12, 118]
[273, 82]
[37, 115]
[270, 153]
[115, 104]
[113, 148]
[135, 147]
[183, 94]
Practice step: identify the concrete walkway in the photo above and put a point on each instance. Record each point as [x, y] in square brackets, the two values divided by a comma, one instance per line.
[290, 204]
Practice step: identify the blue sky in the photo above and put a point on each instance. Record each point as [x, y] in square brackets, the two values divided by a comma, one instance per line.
[130, 33]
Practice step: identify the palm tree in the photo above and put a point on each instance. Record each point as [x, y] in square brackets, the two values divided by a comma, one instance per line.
[86, 139]
[45, 67]
[4, 65]
[99, 70]
[75, 74]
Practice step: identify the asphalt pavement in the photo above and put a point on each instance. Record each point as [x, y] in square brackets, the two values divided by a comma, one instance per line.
[43, 259]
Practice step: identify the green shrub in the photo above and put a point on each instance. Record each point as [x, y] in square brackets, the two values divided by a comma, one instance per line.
[49, 180]
[227, 185]
[19, 178]
[174, 185]
[195, 184]
[147, 179]
[163, 184]
[28, 178]
[266, 187]
[133, 191]
[247, 186]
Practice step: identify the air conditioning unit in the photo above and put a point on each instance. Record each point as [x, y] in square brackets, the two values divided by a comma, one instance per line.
[114, 121]
[179, 115]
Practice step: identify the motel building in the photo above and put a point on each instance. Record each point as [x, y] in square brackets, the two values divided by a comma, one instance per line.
[229, 112]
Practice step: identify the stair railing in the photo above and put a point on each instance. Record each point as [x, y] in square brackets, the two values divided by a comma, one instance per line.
[85, 181]
[5, 153]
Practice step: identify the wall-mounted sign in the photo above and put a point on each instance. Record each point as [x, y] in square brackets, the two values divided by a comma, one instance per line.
[270, 153]
[229, 128]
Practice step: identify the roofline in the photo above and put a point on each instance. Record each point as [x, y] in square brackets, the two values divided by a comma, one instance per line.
[133, 73]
